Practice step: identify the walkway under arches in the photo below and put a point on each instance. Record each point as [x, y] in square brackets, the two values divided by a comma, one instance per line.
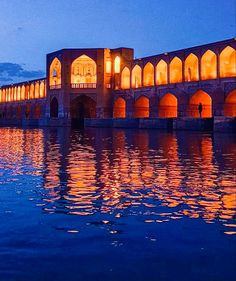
[168, 106]
[141, 107]
[230, 104]
[206, 101]
[119, 109]
[54, 108]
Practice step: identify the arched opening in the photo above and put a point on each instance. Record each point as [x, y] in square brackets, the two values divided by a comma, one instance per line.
[230, 104]
[161, 73]
[32, 91]
[167, 106]
[117, 64]
[18, 112]
[15, 94]
[200, 97]
[119, 108]
[36, 91]
[41, 90]
[208, 65]
[27, 111]
[37, 111]
[27, 92]
[55, 74]
[228, 62]
[191, 72]
[54, 108]
[141, 107]
[176, 70]
[18, 93]
[80, 108]
[83, 72]
[148, 75]
[22, 92]
[136, 77]
[125, 78]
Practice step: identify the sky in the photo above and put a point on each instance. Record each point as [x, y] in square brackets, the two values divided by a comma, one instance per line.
[29, 29]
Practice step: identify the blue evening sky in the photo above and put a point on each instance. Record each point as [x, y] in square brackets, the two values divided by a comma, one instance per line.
[31, 28]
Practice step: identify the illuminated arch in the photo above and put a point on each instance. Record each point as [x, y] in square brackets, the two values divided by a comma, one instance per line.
[119, 109]
[83, 70]
[141, 107]
[15, 94]
[38, 111]
[176, 70]
[206, 101]
[230, 104]
[31, 91]
[18, 96]
[42, 89]
[27, 92]
[208, 65]
[136, 77]
[228, 62]
[18, 112]
[191, 71]
[161, 73]
[54, 108]
[1, 99]
[36, 90]
[22, 92]
[125, 78]
[55, 73]
[148, 75]
[168, 106]
[117, 64]
[27, 111]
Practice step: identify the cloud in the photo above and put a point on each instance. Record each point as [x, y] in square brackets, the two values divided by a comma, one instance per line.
[13, 73]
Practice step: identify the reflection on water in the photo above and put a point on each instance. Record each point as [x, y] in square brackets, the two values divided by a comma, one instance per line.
[118, 171]
[106, 179]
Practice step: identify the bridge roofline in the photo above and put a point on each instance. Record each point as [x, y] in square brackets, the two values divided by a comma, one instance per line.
[22, 83]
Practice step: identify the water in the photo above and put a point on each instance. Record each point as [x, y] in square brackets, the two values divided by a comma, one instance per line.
[101, 204]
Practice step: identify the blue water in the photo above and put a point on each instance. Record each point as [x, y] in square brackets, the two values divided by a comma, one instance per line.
[103, 204]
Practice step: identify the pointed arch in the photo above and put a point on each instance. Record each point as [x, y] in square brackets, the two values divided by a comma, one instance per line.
[206, 101]
[148, 74]
[119, 109]
[117, 64]
[22, 92]
[36, 90]
[228, 62]
[208, 65]
[32, 91]
[18, 95]
[54, 108]
[191, 70]
[55, 73]
[136, 76]
[230, 104]
[42, 89]
[141, 107]
[176, 70]
[168, 106]
[161, 73]
[125, 78]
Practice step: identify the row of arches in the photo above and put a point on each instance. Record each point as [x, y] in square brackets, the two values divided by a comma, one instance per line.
[192, 69]
[30, 91]
[168, 106]
[27, 111]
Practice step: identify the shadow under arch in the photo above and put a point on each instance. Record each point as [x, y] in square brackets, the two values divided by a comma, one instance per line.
[230, 104]
[54, 108]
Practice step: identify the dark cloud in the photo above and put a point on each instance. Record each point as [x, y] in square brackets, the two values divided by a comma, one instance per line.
[13, 72]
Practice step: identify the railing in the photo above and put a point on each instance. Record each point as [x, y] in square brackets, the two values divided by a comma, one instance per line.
[54, 87]
[83, 85]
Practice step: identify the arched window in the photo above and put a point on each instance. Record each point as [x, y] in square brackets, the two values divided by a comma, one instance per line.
[32, 91]
[228, 62]
[15, 94]
[55, 73]
[230, 104]
[18, 93]
[117, 64]
[148, 75]
[208, 65]
[119, 108]
[22, 92]
[27, 90]
[83, 71]
[161, 73]
[191, 68]
[200, 97]
[125, 78]
[36, 90]
[42, 90]
[141, 107]
[167, 106]
[176, 70]
[136, 77]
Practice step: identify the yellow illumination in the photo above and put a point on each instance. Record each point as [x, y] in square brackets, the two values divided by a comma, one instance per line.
[108, 66]
[230, 104]
[117, 65]
[161, 73]
[167, 106]
[136, 77]
[208, 65]
[191, 68]
[119, 108]
[176, 70]
[228, 62]
[148, 75]
[125, 78]
[55, 73]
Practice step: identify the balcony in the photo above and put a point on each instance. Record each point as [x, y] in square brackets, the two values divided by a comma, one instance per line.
[84, 85]
[55, 87]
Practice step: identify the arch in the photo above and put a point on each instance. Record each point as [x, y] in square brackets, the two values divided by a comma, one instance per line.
[55, 73]
[27, 111]
[125, 78]
[38, 111]
[18, 112]
[119, 108]
[1, 96]
[168, 106]
[83, 70]
[228, 62]
[22, 94]
[176, 70]
[141, 107]
[82, 107]
[206, 101]
[18, 96]
[54, 108]
[136, 76]
[191, 70]
[31, 91]
[36, 90]
[230, 104]
[15, 94]
[208, 65]
[161, 73]
[148, 75]
[117, 64]
[27, 91]
[41, 90]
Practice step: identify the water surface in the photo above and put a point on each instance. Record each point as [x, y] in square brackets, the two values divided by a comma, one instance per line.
[113, 204]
